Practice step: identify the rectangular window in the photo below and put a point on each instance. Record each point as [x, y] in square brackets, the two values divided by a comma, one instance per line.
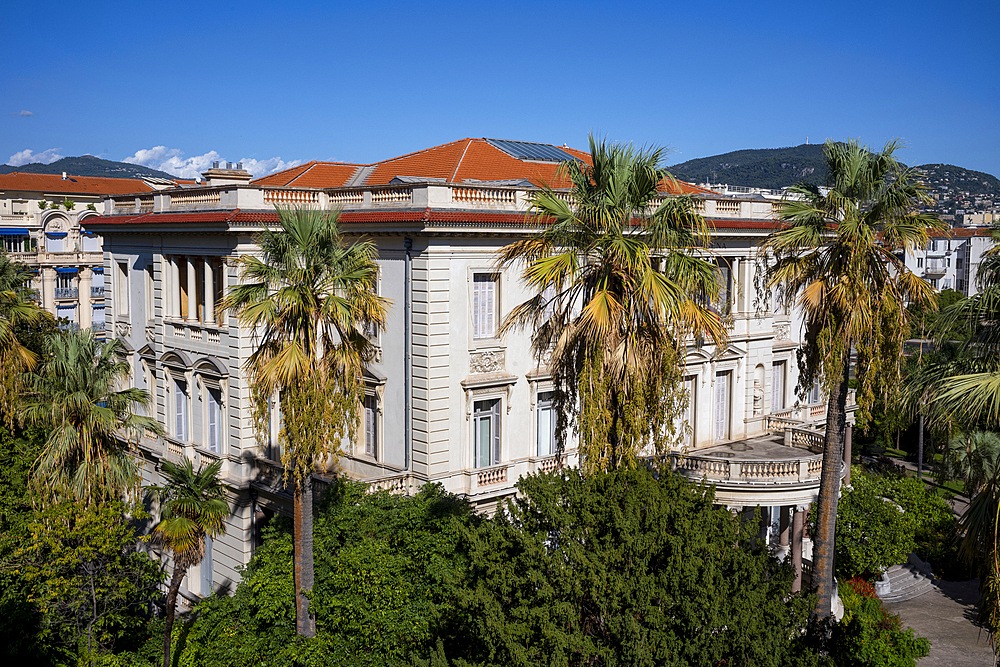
[815, 394]
[484, 306]
[546, 423]
[724, 276]
[722, 405]
[214, 420]
[958, 263]
[689, 420]
[121, 289]
[486, 431]
[206, 568]
[149, 291]
[934, 283]
[275, 421]
[54, 242]
[371, 425]
[777, 386]
[920, 262]
[180, 409]
[91, 242]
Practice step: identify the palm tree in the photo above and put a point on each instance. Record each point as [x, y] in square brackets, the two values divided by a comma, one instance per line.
[17, 307]
[974, 457]
[621, 281]
[88, 454]
[837, 257]
[312, 297]
[193, 506]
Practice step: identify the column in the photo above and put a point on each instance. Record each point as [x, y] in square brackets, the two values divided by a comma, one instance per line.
[192, 291]
[86, 309]
[847, 453]
[49, 289]
[798, 523]
[783, 526]
[209, 292]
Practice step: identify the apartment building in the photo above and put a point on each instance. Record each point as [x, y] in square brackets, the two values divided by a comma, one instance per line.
[41, 225]
[950, 259]
[448, 399]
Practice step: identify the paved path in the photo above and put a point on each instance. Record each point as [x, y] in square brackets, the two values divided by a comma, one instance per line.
[946, 616]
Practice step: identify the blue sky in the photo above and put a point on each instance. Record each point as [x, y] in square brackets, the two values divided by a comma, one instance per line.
[277, 83]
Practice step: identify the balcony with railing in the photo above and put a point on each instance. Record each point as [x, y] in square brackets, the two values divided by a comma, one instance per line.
[67, 292]
[97, 291]
[936, 266]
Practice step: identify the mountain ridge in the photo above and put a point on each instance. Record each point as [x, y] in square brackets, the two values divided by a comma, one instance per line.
[87, 165]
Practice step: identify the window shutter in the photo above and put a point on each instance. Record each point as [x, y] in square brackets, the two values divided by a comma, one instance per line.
[777, 386]
[214, 408]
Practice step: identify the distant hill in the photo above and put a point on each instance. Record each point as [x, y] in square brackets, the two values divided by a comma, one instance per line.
[758, 168]
[87, 165]
[961, 179]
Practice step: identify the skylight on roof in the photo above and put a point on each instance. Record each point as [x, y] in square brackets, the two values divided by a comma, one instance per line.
[527, 150]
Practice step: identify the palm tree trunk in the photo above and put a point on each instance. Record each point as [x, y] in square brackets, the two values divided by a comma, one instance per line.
[168, 626]
[829, 493]
[305, 624]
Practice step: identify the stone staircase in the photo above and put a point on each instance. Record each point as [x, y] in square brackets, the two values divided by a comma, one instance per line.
[906, 581]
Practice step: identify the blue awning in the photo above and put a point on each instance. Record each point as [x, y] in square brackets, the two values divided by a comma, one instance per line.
[13, 232]
[56, 235]
[66, 270]
[98, 269]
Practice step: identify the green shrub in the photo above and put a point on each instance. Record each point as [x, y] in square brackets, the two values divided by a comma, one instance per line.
[869, 636]
[872, 534]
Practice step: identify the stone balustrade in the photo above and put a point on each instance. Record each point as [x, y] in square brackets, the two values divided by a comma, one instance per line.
[748, 471]
[417, 195]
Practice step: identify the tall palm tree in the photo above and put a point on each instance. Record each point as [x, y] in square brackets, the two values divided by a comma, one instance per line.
[193, 506]
[836, 256]
[621, 281]
[312, 297]
[88, 454]
[18, 306]
[974, 457]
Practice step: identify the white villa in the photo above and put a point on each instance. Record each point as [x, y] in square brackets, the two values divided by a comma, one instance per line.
[448, 399]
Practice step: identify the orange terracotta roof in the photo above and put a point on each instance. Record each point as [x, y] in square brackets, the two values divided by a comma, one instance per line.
[455, 162]
[96, 185]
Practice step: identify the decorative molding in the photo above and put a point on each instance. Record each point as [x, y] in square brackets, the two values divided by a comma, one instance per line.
[782, 330]
[151, 334]
[123, 329]
[491, 361]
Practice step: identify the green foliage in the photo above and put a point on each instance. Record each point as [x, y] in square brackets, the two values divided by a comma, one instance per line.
[385, 566]
[68, 204]
[91, 207]
[43, 204]
[90, 584]
[621, 568]
[869, 636]
[929, 322]
[872, 534]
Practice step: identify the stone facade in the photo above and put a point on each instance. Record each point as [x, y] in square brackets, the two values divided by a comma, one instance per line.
[448, 400]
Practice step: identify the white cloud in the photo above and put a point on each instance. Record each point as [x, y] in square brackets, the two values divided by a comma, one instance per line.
[172, 161]
[27, 156]
[23, 112]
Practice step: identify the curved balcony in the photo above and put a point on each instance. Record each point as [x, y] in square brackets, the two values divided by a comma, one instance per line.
[770, 470]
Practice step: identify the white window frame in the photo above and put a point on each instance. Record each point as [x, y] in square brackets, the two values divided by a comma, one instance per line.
[779, 384]
[722, 430]
[545, 402]
[484, 324]
[180, 407]
[689, 418]
[487, 410]
[214, 408]
[121, 288]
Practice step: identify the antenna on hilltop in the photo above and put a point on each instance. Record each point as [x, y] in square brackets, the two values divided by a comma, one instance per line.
[807, 141]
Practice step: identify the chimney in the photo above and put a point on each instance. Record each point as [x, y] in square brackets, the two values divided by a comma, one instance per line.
[64, 176]
[227, 174]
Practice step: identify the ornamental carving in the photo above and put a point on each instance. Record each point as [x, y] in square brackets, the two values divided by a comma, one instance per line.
[55, 225]
[150, 334]
[486, 362]
[123, 329]
[782, 330]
